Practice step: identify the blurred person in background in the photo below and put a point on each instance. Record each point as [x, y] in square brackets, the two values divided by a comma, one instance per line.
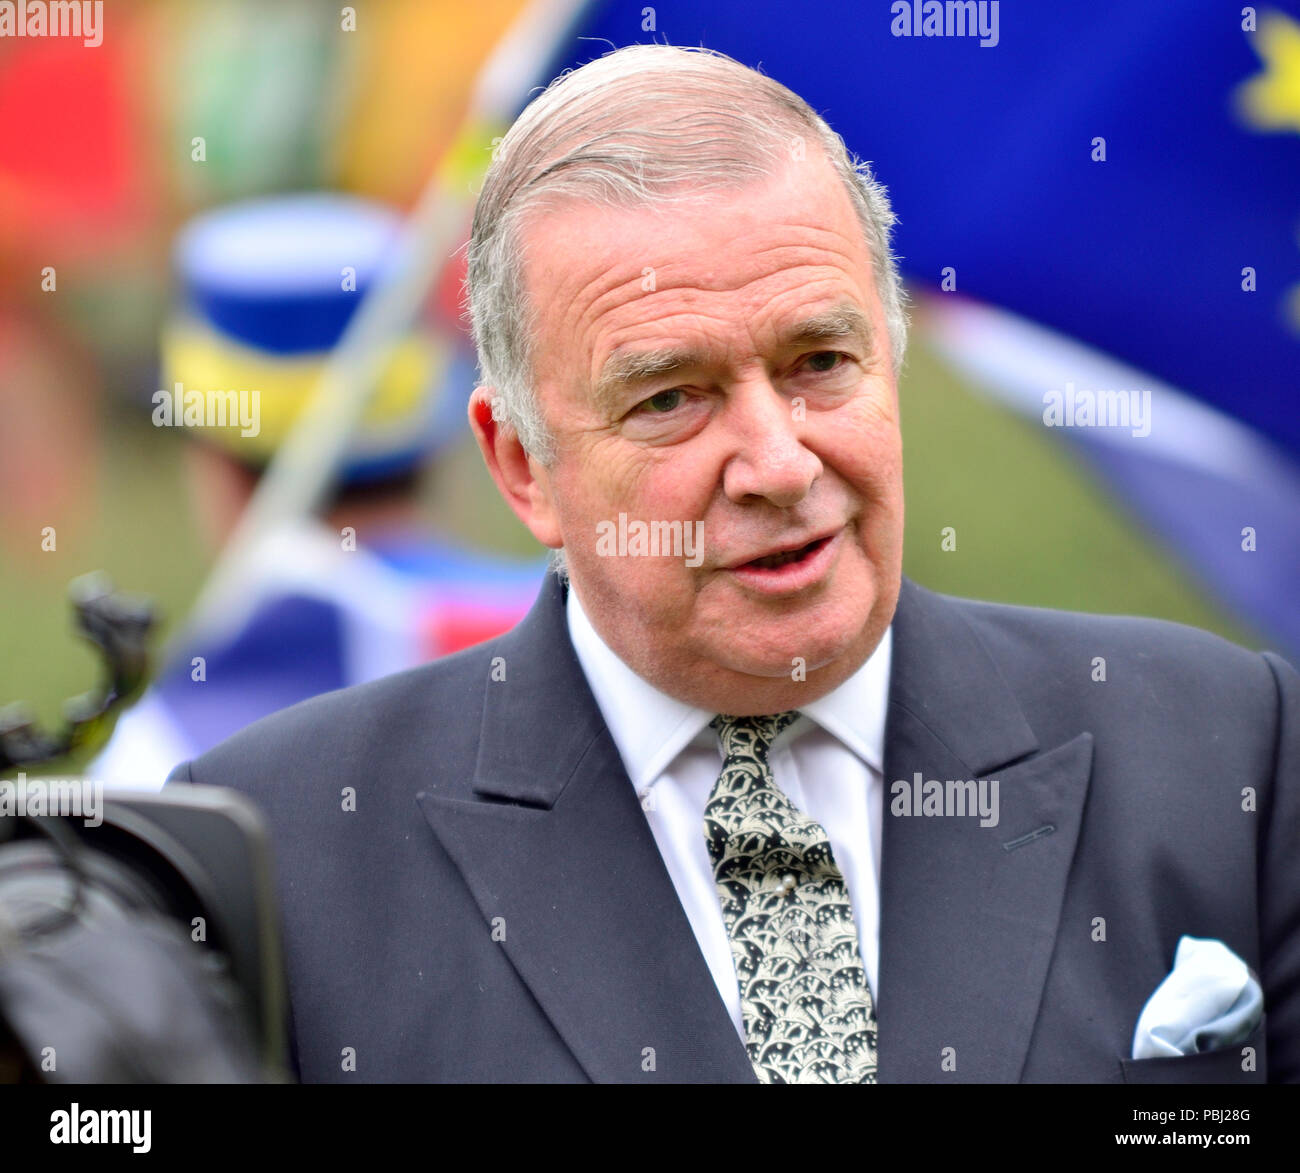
[105, 153]
[365, 589]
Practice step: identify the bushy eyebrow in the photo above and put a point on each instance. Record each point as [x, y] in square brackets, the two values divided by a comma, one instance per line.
[833, 325]
[624, 370]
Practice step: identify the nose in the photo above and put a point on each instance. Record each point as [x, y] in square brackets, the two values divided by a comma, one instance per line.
[769, 460]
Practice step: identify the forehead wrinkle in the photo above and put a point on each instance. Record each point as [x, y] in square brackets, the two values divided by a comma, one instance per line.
[599, 301]
[611, 293]
[816, 238]
[619, 287]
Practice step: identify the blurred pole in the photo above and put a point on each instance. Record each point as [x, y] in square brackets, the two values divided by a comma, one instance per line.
[305, 468]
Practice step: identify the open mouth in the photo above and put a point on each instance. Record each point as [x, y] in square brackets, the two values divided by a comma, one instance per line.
[773, 561]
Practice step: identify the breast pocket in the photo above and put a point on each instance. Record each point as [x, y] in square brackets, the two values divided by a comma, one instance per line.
[1243, 1062]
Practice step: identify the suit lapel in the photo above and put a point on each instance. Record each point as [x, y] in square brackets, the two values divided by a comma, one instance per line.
[556, 844]
[969, 913]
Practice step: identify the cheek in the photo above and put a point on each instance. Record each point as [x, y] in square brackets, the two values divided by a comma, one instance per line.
[595, 481]
[679, 489]
[652, 485]
[863, 444]
[607, 478]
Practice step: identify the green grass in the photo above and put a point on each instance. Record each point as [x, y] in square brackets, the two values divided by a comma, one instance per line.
[137, 528]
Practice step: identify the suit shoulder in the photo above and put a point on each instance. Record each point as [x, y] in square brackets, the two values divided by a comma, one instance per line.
[424, 705]
[1052, 631]
[1048, 655]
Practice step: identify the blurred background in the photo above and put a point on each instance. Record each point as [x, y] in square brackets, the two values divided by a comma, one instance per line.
[1107, 198]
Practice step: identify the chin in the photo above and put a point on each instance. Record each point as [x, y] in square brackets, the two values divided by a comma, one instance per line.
[815, 650]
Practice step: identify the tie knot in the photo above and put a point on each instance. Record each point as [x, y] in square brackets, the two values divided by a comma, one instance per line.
[749, 737]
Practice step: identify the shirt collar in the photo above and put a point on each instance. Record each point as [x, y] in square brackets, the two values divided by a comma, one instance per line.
[650, 728]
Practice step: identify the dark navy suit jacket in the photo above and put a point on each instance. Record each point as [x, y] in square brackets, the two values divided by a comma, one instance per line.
[495, 907]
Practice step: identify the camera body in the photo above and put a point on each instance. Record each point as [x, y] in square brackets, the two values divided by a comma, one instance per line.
[138, 936]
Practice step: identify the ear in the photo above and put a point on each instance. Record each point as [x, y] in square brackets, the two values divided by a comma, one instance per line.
[522, 480]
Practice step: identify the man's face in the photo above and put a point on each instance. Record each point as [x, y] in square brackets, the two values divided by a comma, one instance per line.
[769, 415]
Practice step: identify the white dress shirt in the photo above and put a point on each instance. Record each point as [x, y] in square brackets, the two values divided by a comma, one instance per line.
[829, 763]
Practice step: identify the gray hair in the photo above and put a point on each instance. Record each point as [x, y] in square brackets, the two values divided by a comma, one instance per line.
[643, 126]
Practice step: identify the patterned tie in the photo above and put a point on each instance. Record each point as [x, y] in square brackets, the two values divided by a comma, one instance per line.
[804, 996]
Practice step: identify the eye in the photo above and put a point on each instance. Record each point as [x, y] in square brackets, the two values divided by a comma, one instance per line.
[663, 402]
[825, 360]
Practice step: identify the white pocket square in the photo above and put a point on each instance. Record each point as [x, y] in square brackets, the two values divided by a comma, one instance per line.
[1209, 1000]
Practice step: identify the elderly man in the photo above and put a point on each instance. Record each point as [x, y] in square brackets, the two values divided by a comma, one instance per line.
[737, 801]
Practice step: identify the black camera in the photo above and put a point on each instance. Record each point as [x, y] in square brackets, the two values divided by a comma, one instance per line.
[138, 932]
[138, 941]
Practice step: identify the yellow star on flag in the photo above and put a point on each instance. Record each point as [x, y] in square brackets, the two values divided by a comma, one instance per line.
[1271, 100]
